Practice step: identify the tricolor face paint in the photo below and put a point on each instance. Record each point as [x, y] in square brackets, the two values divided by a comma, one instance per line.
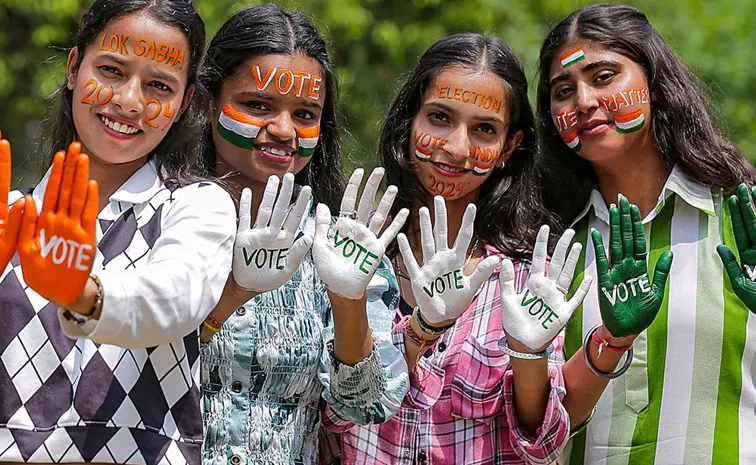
[268, 117]
[600, 100]
[460, 132]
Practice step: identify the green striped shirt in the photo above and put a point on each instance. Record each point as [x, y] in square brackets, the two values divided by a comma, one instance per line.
[689, 396]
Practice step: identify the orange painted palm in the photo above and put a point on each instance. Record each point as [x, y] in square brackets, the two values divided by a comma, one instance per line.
[57, 249]
[10, 221]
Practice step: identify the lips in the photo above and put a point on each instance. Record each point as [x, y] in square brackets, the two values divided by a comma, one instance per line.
[276, 154]
[118, 128]
[449, 170]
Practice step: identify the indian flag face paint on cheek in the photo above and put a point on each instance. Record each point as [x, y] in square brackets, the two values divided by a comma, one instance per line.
[422, 155]
[238, 128]
[575, 55]
[308, 140]
[480, 170]
[630, 122]
[573, 141]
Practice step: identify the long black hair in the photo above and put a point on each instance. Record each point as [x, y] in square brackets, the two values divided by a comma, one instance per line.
[177, 157]
[269, 29]
[509, 207]
[683, 127]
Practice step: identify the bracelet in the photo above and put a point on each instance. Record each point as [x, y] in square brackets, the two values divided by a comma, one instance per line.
[97, 304]
[426, 327]
[592, 367]
[514, 354]
[212, 324]
[604, 344]
[414, 337]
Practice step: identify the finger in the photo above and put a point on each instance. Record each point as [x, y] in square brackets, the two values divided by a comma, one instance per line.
[69, 170]
[390, 233]
[602, 264]
[281, 207]
[426, 235]
[5, 176]
[81, 182]
[738, 228]
[440, 225]
[540, 251]
[298, 251]
[50, 201]
[465, 234]
[578, 298]
[749, 218]
[568, 272]
[730, 263]
[507, 278]
[29, 220]
[245, 209]
[15, 217]
[626, 227]
[407, 256]
[380, 215]
[266, 206]
[91, 208]
[483, 271]
[661, 271]
[322, 220]
[295, 216]
[615, 238]
[560, 254]
[639, 236]
[368, 195]
[350, 193]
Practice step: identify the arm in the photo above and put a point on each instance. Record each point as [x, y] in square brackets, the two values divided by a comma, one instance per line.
[182, 281]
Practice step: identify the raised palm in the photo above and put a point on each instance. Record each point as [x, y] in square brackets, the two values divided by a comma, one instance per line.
[743, 219]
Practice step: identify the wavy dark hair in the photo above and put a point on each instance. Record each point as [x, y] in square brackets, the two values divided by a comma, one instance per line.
[509, 205]
[270, 29]
[683, 126]
[177, 157]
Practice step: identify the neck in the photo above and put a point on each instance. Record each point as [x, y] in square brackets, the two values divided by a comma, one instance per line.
[111, 177]
[237, 182]
[639, 175]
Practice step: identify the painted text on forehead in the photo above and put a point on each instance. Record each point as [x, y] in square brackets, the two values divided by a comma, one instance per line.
[465, 95]
[285, 81]
[146, 47]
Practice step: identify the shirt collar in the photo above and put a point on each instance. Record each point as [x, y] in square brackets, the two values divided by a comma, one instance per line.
[694, 194]
[139, 188]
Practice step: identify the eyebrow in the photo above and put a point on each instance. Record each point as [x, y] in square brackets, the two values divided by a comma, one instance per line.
[164, 76]
[157, 74]
[478, 117]
[264, 96]
[589, 67]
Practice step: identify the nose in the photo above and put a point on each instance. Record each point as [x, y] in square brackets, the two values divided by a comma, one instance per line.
[458, 144]
[129, 97]
[587, 98]
[282, 127]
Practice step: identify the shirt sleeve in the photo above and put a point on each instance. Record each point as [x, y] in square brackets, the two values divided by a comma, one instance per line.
[550, 438]
[372, 390]
[182, 281]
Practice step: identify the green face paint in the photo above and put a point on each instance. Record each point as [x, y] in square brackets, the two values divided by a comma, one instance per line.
[307, 139]
[238, 128]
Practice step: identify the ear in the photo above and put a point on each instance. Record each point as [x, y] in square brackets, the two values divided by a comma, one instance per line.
[188, 95]
[512, 143]
[72, 67]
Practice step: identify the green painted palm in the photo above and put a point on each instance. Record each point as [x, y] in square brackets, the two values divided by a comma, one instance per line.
[629, 302]
[743, 278]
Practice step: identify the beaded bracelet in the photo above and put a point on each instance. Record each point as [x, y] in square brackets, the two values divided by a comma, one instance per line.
[416, 338]
[426, 327]
[212, 324]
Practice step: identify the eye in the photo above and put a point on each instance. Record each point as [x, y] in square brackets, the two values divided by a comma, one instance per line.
[160, 86]
[304, 114]
[438, 116]
[604, 77]
[257, 105]
[487, 128]
[562, 92]
[109, 70]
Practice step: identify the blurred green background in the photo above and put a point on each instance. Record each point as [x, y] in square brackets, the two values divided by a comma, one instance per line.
[376, 42]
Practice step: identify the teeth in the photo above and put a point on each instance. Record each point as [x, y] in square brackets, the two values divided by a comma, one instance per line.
[118, 127]
[450, 169]
[278, 152]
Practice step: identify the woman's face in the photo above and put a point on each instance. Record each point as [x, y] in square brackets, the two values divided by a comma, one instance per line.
[459, 136]
[267, 116]
[129, 88]
[600, 101]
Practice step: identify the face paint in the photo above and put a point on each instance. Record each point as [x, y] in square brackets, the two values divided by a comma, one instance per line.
[308, 140]
[238, 128]
[158, 109]
[625, 98]
[447, 189]
[484, 160]
[155, 51]
[630, 122]
[576, 55]
[94, 93]
[285, 81]
[468, 96]
[573, 141]
[425, 143]
[565, 119]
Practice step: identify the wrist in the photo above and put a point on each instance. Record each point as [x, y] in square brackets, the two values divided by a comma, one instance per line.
[432, 329]
[619, 342]
[414, 326]
[238, 294]
[88, 303]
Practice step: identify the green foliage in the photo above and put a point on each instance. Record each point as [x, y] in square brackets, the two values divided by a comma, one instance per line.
[376, 42]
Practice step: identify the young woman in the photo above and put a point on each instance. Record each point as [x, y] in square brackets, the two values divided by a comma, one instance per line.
[104, 368]
[300, 329]
[621, 114]
[483, 388]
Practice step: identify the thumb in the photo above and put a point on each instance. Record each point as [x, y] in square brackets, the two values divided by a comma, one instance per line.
[298, 251]
[322, 221]
[483, 271]
[661, 271]
[730, 263]
[507, 277]
[29, 221]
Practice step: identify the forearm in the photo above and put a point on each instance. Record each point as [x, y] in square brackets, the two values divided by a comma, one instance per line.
[352, 341]
[231, 299]
[531, 388]
[584, 388]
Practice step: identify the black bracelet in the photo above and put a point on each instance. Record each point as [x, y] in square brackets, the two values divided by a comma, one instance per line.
[426, 327]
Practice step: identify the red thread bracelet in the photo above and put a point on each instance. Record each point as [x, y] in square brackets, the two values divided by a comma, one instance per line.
[601, 344]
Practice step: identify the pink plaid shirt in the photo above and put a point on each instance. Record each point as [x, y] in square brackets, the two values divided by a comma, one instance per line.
[459, 409]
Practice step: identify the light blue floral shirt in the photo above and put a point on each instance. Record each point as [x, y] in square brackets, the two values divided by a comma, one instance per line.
[268, 372]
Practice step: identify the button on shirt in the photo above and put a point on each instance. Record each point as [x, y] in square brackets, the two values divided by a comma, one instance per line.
[124, 388]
